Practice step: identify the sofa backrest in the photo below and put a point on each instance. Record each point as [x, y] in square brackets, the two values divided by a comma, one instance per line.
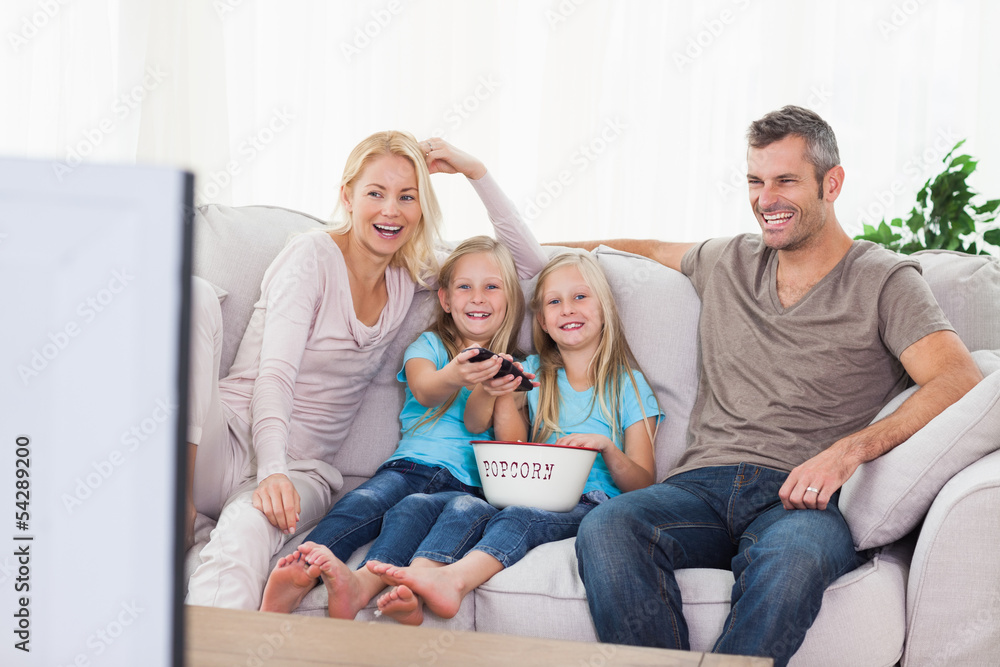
[659, 308]
[967, 287]
[233, 246]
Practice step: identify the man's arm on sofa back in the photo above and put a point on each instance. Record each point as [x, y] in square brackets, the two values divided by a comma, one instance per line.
[665, 252]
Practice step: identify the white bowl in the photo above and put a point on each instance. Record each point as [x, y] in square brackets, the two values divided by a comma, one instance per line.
[549, 477]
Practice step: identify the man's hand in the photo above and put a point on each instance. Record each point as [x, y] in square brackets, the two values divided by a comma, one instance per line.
[940, 363]
[277, 498]
[810, 485]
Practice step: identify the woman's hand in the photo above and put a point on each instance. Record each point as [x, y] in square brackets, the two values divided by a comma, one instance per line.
[277, 498]
[599, 442]
[444, 158]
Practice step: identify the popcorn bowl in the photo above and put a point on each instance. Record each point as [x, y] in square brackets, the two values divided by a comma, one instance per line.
[533, 474]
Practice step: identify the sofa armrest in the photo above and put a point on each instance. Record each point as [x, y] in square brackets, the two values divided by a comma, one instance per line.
[953, 594]
[889, 496]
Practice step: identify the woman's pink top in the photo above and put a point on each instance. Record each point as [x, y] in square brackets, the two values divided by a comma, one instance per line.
[305, 359]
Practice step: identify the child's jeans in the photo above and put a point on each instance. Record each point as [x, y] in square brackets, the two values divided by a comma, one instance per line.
[467, 523]
[356, 519]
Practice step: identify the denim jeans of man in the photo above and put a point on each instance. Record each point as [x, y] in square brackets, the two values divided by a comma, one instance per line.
[356, 519]
[506, 534]
[726, 517]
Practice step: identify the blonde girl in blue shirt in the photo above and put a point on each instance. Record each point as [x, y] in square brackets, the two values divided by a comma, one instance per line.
[591, 394]
[481, 305]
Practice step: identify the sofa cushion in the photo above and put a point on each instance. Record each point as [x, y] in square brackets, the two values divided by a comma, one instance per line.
[543, 596]
[233, 246]
[887, 498]
[967, 287]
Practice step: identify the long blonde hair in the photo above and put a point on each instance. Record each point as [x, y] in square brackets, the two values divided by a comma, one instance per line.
[505, 339]
[611, 364]
[417, 255]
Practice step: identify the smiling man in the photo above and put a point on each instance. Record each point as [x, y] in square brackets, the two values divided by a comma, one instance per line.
[805, 335]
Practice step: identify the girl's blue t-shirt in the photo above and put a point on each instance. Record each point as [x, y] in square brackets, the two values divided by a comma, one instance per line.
[444, 442]
[578, 415]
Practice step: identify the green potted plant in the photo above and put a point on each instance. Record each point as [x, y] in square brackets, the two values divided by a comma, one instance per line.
[944, 216]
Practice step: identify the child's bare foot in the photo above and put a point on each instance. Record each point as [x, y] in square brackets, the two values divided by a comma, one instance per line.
[401, 604]
[440, 592]
[290, 581]
[344, 590]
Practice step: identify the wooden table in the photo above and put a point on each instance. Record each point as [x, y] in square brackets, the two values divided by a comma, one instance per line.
[223, 637]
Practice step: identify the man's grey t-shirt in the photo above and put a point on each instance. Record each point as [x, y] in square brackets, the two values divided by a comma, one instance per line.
[779, 385]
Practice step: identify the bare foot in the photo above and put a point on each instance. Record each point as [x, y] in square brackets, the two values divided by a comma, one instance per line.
[343, 588]
[290, 581]
[441, 592]
[401, 604]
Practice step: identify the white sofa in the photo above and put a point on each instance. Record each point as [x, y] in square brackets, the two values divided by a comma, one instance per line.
[929, 511]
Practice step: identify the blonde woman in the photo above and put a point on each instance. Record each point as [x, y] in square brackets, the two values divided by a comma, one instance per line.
[262, 439]
[591, 394]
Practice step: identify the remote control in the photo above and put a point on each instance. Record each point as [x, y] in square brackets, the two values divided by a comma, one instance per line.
[506, 367]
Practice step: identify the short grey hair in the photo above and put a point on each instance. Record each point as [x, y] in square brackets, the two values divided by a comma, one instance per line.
[821, 144]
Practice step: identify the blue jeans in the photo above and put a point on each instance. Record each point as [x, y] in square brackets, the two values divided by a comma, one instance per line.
[726, 517]
[356, 519]
[472, 524]
[408, 524]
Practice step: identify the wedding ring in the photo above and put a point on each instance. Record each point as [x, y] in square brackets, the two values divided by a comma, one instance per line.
[812, 488]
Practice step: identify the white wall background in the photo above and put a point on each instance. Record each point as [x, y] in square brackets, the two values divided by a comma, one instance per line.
[599, 118]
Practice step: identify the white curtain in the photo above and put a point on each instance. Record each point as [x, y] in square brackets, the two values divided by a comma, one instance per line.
[599, 118]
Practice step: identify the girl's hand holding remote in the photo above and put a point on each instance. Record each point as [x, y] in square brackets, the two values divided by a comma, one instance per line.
[507, 384]
[471, 373]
